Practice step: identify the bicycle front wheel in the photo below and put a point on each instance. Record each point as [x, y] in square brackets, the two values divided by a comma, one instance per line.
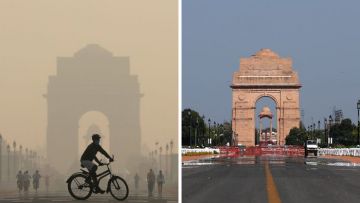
[118, 188]
[78, 188]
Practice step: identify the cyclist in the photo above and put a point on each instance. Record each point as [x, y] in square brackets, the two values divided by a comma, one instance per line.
[87, 160]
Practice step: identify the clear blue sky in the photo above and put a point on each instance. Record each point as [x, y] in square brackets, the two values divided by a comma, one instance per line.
[322, 37]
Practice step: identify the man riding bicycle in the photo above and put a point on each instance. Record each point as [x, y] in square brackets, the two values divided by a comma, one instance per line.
[89, 155]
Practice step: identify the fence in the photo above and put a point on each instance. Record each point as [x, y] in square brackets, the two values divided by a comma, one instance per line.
[340, 151]
[200, 150]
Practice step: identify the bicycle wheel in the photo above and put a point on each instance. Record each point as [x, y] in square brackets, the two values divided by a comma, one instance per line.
[78, 188]
[118, 188]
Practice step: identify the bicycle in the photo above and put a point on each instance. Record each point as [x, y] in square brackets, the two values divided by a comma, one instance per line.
[80, 184]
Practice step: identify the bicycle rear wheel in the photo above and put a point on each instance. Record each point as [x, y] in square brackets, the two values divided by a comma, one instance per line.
[118, 188]
[78, 188]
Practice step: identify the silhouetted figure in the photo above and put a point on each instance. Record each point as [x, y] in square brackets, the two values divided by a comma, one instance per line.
[136, 180]
[151, 182]
[160, 181]
[19, 181]
[47, 182]
[87, 160]
[26, 182]
[36, 180]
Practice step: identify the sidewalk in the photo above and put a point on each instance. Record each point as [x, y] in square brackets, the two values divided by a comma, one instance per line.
[351, 159]
[196, 157]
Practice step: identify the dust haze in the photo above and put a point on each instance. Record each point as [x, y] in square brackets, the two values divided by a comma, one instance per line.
[69, 69]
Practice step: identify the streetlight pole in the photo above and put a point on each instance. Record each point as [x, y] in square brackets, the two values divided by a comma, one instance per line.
[0, 158]
[189, 113]
[8, 168]
[14, 158]
[330, 122]
[358, 108]
[171, 161]
[166, 160]
[325, 133]
[196, 129]
[160, 150]
[208, 141]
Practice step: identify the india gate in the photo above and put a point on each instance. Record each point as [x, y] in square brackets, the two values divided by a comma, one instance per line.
[264, 74]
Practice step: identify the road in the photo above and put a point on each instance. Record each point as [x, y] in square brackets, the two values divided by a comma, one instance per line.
[64, 197]
[270, 179]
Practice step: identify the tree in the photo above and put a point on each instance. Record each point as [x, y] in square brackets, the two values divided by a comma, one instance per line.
[192, 124]
[343, 133]
[297, 136]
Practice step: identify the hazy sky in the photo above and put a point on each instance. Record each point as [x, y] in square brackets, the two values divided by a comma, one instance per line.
[322, 37]
[33, 33]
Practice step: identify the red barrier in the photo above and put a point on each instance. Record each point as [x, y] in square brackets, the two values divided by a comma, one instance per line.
[263, 150]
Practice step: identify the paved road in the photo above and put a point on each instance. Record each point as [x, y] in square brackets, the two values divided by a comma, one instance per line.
[270, 179]
[64, 197]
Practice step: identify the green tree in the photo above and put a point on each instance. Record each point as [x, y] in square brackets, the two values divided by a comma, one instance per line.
[342, 133]
[297, 136]
[192, 125]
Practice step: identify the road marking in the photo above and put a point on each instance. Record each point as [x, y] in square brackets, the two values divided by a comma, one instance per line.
[273, 195]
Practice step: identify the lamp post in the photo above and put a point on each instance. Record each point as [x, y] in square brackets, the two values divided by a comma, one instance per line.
[8, 168]
[171, 161]
[166, 160]
[325, 133]
[20, 156]
[208, 140]
[160, 150]
[203, 130]
[189, 113]
[196, 130]
[0, 158]
[330, 122]
[358, 127]
[213, 140]
[26, 158]
[14, 158]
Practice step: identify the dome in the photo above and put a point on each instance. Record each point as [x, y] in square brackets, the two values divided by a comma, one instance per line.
[266, 112]
[266, 53]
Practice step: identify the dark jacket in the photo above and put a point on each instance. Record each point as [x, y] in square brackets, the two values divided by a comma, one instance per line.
[91, 151]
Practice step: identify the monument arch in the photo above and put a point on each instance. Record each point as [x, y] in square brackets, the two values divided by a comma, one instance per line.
[264, 74]
[92, 80]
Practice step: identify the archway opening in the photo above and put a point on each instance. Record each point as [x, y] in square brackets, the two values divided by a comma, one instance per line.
[266, 121]
[90, 123]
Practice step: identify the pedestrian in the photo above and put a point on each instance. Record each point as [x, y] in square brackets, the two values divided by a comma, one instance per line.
[151, 182]
[36, 179]
[160, 181]
[136, 180]
[26, 182]
[19, 181]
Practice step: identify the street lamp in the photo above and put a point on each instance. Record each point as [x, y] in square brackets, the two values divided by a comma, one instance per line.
[0, 157]
[14, 158]
[208, 141]
[160, 150]
[166, 160]
[330, 122]
[8, 168]
[189, 113]
[325, 132]
[358, 108]
[171, 159]
[203, 130]
[196, 130]
[20, 156]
